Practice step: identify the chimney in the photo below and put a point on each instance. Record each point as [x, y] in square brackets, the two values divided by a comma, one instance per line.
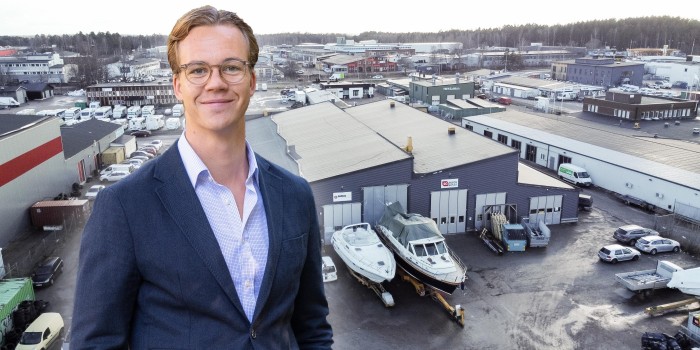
[451, 130]
[409, 145]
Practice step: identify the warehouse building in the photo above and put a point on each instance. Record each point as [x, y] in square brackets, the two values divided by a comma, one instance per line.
[359, 158]
[662, 172]
[40, 159]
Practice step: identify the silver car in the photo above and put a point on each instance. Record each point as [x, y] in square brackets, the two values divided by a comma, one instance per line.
[615, 252]
[656, 244]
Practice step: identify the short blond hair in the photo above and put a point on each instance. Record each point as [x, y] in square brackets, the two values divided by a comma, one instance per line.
[208, 16]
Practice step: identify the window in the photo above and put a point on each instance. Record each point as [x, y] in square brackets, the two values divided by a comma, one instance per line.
[503, 139]
[515, 144]
[469, 127]
[488, 134]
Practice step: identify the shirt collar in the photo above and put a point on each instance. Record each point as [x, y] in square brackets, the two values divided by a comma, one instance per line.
[195, 166]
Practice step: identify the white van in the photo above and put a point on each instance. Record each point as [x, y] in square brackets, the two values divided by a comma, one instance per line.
[114, 167]
[178, 110]
[574, 174]
[103, 112]
[72, 113]
[43, 332]
[87, 113]
[119, 112]
[148, 110]
[133, 112]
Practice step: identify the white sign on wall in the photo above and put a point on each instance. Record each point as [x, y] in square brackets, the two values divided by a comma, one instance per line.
[449, 183]
[342, 196]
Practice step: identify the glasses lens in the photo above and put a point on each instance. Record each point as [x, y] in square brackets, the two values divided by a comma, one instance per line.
[233, 71]
[197, 73]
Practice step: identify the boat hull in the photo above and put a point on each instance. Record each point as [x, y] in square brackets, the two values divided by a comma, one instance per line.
[363, 270]
[420, 275]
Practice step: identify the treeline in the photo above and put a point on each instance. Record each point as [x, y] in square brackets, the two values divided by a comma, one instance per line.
[93, 44]
[640, 32]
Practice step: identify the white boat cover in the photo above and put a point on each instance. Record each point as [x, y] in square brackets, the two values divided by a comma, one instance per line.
[687, 281]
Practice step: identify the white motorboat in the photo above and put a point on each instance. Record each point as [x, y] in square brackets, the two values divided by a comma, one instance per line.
[420, 249]
[363, 252]
[687, 281]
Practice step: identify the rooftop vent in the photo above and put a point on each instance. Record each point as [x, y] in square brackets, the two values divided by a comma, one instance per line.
[409, 145]
[391, 104]
[451, 130]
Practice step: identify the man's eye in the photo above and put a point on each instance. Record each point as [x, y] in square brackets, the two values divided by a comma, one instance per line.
[231, 69]
[198, 70]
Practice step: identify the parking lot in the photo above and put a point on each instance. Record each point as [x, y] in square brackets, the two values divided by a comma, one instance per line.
[558, 297]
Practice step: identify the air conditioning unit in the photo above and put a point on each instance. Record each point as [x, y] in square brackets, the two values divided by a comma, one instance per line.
[659, 195]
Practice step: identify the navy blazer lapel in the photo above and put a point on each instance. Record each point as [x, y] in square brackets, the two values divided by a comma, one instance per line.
[273, 198]
[180, 200]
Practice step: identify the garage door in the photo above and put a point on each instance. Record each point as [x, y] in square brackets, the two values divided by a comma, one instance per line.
[375, 199]
[547, 208]
[490, 200]
[335, 216]
[449, 210]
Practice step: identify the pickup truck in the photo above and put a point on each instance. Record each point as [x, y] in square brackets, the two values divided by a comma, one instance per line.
[646, 281]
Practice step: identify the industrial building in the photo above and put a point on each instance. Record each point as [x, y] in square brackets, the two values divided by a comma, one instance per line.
[40, 159]
[635, 106]
[601, 71]
[132, 94]
[359, 158]
[662, 172]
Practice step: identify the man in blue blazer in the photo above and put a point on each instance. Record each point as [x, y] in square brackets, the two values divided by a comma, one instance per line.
[208, 246]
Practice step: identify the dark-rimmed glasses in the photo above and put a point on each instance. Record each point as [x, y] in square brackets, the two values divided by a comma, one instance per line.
[231, 71]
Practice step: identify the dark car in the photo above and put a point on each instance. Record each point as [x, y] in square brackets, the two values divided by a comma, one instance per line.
[141, 133]
[631, 233]
[47, 271]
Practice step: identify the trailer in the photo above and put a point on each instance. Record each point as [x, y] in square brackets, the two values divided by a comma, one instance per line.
[645, 282]
[538, 233]
[52, 213]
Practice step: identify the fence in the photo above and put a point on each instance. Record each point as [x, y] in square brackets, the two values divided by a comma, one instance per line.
[681, 229]
[21, 258]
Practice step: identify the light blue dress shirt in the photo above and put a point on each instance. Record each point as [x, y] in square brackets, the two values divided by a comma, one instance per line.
[244, 241]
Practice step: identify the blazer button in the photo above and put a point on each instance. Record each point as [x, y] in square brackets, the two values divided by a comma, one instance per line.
[252, 333]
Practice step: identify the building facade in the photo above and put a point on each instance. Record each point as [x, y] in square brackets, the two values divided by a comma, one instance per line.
[604, 72]
[132, 94]
[43, 68]
[636, 107]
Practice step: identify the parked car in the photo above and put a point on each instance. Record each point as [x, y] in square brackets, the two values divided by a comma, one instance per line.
[378, 77]
[157, 143]
[168, 111]
[43, 332]
[93, 191]
[615, 252]
[140, 133]
[657, 244]
[138, 157]
[149, 149]
[141, 153]
[46, 272]
[114, 176]
[631, 233]
[137, 163]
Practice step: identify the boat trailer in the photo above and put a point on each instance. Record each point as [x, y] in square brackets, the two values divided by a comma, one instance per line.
[377, 288]
[456, 312]
[663, 308]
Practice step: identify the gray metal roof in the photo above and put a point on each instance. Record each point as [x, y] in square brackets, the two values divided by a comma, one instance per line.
[261, 134]
[11, 123]
[433, 148]
[674, 161]
[327, 142]
[530, 176]
[80, 136]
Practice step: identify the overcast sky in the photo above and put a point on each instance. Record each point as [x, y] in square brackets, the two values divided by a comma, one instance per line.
[315, 16]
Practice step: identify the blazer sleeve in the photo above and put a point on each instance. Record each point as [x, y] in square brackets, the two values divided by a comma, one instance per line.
[309, 322]
[107, 281]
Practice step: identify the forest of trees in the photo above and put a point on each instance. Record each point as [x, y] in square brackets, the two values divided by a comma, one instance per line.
[640, 32]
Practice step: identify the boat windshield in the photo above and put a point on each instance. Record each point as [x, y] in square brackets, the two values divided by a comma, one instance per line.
[430, 249]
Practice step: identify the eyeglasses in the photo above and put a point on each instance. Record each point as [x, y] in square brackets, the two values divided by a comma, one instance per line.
[231, 71]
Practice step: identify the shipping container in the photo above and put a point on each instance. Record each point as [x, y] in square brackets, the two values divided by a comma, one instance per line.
[113, 155]
[49, 213]
[12, 293]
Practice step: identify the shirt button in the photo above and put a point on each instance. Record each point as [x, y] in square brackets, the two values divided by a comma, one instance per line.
[252, 334]
[248, 284]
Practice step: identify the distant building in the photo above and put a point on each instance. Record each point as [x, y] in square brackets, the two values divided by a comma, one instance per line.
[634, 106]
[130, 94]
[44, 68]
[604, 72]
